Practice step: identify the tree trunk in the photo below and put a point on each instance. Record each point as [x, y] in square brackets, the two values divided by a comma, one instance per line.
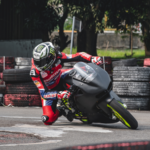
[146, 34]
[45, 36]
[81, 41]
[63, 38]
[131, 36]
[87, 41]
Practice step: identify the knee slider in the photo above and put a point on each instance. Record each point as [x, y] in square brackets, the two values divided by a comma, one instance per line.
[44, 118]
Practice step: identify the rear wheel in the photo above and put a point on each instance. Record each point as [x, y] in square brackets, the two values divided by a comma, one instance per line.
[123, 115]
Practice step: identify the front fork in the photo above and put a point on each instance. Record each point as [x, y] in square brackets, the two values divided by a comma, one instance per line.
[104, 104]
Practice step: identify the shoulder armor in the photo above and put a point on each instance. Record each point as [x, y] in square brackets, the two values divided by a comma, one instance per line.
[33, 73]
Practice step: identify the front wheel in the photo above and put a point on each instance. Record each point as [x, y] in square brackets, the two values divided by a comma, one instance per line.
[123, 115]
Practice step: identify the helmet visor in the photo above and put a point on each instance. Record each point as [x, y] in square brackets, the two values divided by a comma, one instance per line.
[40, 63]
[44, 63]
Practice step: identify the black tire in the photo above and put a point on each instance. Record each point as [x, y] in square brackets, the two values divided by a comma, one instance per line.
[2, 89]
[1, 99]
[22, 67]
[137, 69]
[1, 75]
[21, 88]
[131, 74]
[106, 60]
[146, 62]
[13, 75]
[22, 100]
[1, 82]
[8, 60]
[69, 64]
[23, 61]
[125, 62]
[107, 68]
[7, 66]
[136, 103]
[132, 88]
[123, 115]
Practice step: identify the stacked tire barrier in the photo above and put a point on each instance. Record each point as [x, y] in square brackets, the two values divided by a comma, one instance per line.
[136, 145]
[132, 85]
[107, 64]
[22, 62]
[146, 62]
[125, 62]
[5, 63]
[68, 65]
[20, 89]
[1, 78]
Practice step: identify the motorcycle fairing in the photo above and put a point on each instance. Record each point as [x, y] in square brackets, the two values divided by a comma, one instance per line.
[97, 85]
[90, 93]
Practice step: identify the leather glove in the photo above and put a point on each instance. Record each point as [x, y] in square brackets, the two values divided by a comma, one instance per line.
[63, 95]
[97, 60]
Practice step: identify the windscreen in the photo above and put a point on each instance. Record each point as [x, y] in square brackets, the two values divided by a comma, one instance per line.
[84, 72]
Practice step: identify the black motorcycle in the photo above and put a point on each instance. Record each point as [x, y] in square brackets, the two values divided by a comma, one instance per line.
[93, 98]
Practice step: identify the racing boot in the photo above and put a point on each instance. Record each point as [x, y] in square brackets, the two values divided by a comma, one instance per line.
[65, 112]
[83, 118]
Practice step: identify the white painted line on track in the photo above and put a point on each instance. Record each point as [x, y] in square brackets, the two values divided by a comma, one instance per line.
[20, 117]
[43, 142]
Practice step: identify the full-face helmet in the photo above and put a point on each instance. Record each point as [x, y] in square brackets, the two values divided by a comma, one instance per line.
[44, 56]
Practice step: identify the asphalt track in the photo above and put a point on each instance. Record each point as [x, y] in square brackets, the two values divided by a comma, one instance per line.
[21, 129]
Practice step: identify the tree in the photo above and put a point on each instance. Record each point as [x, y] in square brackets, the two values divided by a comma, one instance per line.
[132, 12]
[39, 16]
[91, 14]
[146, 28]
[62, 39]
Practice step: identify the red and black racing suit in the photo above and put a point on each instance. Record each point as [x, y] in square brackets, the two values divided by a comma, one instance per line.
[48, 82]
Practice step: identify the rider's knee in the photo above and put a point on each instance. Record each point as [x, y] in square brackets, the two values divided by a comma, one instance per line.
[46, 120]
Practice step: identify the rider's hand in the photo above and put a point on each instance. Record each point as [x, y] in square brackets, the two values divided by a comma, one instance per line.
[97, 60]
[63, 95]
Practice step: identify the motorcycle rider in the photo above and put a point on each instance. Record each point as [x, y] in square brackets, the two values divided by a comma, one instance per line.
[47, 74]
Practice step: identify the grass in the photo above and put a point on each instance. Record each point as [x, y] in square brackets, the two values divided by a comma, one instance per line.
[115, 54]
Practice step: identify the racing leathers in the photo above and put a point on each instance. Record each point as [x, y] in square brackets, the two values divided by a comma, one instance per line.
[49, 82]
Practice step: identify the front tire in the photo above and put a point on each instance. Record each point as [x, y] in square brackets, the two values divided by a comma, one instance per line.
[123, 115]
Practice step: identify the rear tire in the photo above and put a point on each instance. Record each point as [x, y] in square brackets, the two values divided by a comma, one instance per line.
[123, 115]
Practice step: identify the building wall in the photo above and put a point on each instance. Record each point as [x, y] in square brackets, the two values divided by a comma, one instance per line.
[24, 48]
[115, 41]
[109, 41]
